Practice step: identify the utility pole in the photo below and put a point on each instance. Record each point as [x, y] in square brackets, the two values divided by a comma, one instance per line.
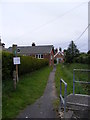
[89, 25]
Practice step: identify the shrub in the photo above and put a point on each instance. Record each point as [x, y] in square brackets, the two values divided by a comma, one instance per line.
[83, 58]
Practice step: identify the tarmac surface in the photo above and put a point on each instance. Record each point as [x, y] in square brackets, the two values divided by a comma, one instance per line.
[43, 107]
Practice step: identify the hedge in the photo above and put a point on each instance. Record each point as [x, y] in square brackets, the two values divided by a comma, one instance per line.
[28, 64]
[7, 65]
[83, 59]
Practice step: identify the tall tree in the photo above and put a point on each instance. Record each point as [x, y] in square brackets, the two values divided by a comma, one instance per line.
[71, 52]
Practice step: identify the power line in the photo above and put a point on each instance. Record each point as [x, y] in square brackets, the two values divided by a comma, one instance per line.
[60, 16]
[82, 33]
[79, 36]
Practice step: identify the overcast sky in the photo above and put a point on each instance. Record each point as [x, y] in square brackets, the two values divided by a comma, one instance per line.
[57, 23]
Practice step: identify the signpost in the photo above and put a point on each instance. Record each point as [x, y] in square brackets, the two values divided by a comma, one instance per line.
[16, 61]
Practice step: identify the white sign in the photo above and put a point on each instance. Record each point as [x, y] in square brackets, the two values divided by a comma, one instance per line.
[16, 60]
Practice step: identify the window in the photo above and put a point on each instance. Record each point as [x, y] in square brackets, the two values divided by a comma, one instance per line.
[18, 50]
[36, 56]
[39, 56]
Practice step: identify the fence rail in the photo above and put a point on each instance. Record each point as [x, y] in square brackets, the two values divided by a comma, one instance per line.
[63, 100]
[75, 81]
[82, 70]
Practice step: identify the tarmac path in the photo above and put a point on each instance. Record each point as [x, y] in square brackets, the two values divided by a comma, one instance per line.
[43, 107]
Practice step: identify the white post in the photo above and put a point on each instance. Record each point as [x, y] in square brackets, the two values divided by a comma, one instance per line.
[89, 25]
[0, 82]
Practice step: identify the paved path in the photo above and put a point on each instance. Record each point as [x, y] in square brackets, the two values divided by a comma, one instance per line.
[43, 107]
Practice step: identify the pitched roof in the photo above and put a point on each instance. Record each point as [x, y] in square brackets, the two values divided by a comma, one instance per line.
[59, 54]
[33, 49]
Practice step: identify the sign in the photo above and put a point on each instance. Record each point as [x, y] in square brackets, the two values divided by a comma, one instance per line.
[16, 60]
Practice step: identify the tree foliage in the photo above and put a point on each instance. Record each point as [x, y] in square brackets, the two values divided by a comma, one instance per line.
[71, 52]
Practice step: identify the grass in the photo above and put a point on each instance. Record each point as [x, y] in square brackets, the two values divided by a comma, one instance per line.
[29, 89]
[65, 71]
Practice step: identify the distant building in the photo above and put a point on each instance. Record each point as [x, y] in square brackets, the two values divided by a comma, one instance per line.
[59, 56]
[39, 52]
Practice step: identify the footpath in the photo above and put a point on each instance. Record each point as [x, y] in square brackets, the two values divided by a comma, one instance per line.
[43, 107]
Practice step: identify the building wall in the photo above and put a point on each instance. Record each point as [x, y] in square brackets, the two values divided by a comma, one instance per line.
[58, 57]
[50, 57]
[51, 61]
[47, 56]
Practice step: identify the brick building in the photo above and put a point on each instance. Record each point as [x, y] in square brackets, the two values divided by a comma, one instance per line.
[39, 52]
[59, 56]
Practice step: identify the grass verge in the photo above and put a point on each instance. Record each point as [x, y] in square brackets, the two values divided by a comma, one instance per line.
[29, 89]
[65, 71]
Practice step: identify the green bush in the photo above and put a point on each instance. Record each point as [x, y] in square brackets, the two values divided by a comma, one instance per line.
[7, 65]
[28, 64]
[83, 58]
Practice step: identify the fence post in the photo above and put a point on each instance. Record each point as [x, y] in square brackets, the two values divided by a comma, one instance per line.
[73, 82]
[14, 79]
[65, 99]
[60, 94]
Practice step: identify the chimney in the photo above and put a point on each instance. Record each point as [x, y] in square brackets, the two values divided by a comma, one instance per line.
[0, 40]
[33, 44]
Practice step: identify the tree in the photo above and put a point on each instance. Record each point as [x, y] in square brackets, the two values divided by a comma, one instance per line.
[88, 52]
[71, 52]
[64, 50]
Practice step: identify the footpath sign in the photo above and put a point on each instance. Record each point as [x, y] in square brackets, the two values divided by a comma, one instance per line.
[16, 60]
